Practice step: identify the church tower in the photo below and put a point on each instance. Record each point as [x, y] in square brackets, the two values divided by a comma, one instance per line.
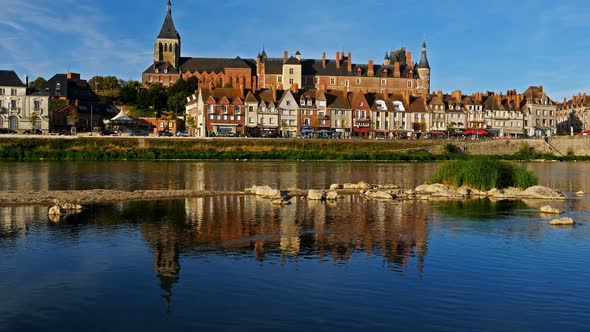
[167, 48]
[424, 71]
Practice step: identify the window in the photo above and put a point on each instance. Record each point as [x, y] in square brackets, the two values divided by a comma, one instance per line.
[280, 79]
[238, 109]
[239, 118]
[151, 78]
[309, 102]
[343, 112]
[13, 92]
[13, 122]
[288, 102]
[357, 81]
[306, 122]
[1, 91]
[302, 112]
[409, 84]
[224, 108]
[290, 71]
[337, 123]
[13, 104]
[211, 116]
[211, 109]
[37, 124]
[250, 120]
[36, 104]
[271, 121]
[383, 82]
[291, 81]
[332, 81]
[0, 103]
[347, 83]
[316, 80]
[336, 112]
[250, 108]
[225, 117]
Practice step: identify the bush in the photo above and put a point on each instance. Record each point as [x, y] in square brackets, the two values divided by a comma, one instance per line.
[484, 174]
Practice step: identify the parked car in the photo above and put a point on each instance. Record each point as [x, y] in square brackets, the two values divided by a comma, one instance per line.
[139, 133]
[7, 131]
[33, 132]
[182, 134]
[109, 132]
[165, 134]
[61, 132]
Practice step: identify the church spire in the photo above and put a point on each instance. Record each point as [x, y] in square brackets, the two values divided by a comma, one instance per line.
[424, 60]
[169, 11]
[168, 29]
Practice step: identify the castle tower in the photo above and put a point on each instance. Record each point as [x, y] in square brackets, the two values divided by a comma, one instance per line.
[167, 47]
[424, 71]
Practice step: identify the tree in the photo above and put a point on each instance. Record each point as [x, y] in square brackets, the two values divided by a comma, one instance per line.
[57, 104]
[33, 119]
[38, 82]
[191, 123]
[96, 83]
[73, 118]
[111, 83]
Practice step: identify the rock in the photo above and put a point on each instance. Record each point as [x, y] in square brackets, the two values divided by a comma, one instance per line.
[265, 192]
[363, 185]
[550, 210]
[336, 187]
[378, 195]
[508, 193]
[580, 193]
[349, 186]
[440, 190]
[562, 222]
[70, 207]
[56, 211]
[540, 192]
[388, 187]
[316, 195]
[430, 189]
[332, 196]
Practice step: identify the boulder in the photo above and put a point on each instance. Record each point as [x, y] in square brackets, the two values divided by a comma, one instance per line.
[336, 187]
[71, 207]
[265, 192]
[444, 191]
[378, 195]
[363, 185]
[56, 211]
[388, 187]
[550, 210]
[562, 222]
[349, 186]
[580, 193]
[316, 195]
[508, 193]
[540, 192]
[332, 196]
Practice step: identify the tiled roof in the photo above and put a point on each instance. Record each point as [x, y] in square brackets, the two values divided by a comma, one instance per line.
[215, 65]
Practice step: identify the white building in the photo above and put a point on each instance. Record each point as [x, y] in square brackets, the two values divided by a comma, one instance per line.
[21, 109]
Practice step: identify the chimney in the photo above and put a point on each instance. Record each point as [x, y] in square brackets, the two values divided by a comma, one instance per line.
[323, 87]
[371, 68]
[295, 88]
[324, 60]
[541, 88]
[385, 94]
[274, 93]
[458, 95]
[425, 98]
[409, 62]
[396, 72]
[285, 56]
[242, 90]
[439, 94]
[349, 62]
[406, 97]
[26, 80]
[338, 60]
[255, 83]
[499, 99]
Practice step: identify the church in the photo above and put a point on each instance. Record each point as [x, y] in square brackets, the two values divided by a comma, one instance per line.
[397, 73]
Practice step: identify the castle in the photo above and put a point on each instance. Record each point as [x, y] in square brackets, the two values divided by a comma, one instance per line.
[397, 73]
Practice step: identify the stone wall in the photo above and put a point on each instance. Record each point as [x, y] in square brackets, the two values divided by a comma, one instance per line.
[579, 146]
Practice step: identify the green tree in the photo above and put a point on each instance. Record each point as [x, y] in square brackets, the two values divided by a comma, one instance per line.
[111, 83]
[57, 104]
[73, 118]
[33, 118]
[38, 82]
[97, 83]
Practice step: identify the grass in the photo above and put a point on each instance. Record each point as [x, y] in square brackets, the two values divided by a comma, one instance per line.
[484, 174]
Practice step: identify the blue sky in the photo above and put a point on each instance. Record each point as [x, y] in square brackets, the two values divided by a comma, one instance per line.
[473, 45]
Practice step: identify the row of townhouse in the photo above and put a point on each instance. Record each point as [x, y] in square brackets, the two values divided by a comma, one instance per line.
[573, 116]
[289, 113]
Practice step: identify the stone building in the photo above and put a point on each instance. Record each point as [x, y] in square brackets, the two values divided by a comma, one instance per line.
[22, 109]
[540, 112]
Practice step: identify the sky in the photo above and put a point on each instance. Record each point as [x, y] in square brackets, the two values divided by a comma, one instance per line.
[473, 45]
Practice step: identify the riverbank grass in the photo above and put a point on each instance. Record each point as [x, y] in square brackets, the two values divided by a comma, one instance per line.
[484, 174]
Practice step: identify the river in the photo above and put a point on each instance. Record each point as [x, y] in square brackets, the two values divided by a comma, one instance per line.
[238, 263]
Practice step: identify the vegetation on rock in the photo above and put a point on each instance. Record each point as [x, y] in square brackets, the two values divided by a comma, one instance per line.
[484, 174]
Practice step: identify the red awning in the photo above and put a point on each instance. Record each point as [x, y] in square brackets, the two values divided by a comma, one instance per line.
[476, 132]
[361, 129]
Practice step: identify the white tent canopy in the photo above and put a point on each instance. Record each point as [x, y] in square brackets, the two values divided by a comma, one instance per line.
[121, 118]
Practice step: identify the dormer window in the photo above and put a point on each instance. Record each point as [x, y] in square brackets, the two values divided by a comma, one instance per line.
[384, 73]
[359, 71]
[302, 102]
[309, 102]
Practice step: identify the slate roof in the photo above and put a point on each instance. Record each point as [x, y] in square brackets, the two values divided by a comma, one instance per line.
[168, 30]
[338, 99]
[10, 78]
[70, 88]
[424, 60]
